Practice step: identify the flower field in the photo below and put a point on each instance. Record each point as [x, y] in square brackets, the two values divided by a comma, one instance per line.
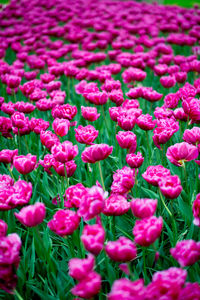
[99, 158]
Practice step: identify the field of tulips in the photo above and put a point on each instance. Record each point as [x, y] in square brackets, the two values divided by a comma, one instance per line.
[99, 158]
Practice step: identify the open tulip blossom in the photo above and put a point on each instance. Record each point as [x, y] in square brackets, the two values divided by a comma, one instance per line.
[99, 150]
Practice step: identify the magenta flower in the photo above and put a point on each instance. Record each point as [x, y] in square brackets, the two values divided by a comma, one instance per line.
[64, 222]
[186, 252]
[96, 153]
[19, 120]
[123, 180]
[153, 174]
[133, 74]
[32, 215]
[25, 163]
[147, 230]
[24, 107]
[116, 205]
[3, 228]
[86, 135]
[167, 81]
[6, 155]
[47, 163]
[79, 268]
[190, 291]
[170, 186]
[134, 160]
[171, 100]
[127, 140]
[92, 203]
[196, 210]
[65, 111]
[181, 152]
[61, 126]
[89, 113]
[13, 81]
[67, 168]
[114, 112]
[49, 139]
[64, 152]
[74, 194]
[143, 208]
[145, 122]
[127, 290]
[121, 250]
[88, 287]
[192, 136]
[93, 237]
[126, 120]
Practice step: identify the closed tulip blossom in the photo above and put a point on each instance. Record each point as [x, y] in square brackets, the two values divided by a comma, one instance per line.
[126, 120]
[143, 208]
[64, 152]
[134, 160]
[186, 252]
[116, 205]
[18, 119]
[74, 194]
[89, 113]
[93, 237]
[32, 215]
[121, 250]
[168, 81]
[170, 186]
[127, 140]
[153, 174]
[86, 135]
[180, 153]
[145, 122]
[49, 139]
[127, 290]
[66, 170]
[25, 163]
[114, 112]
[92, 203]
[192, 136]
[61, 126]
[79, 268]
[96, 153]
[123, 180]
[65, 111]
[38, 125]
[196, 210]
[88, 287]
[147, 230]
[64, 222]
[6, 155]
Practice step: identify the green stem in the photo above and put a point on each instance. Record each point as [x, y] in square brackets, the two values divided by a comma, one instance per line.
[148, 145]
[15, 98]
[163, 201]
[185, 175]
[144, 264]
[101, 175]
[18, 295]
[136, 183]
[104, 116]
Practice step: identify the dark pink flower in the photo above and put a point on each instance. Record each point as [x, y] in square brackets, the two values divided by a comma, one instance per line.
[170, 186]
[25, 163]
[145, 122]
[127, 290]
[61, 126]
[64, 152]
[86, 135]
[64, 222]
[186, 252]
[38, 125]
[116, 205]
[196, 210]
[143, 208]
[96, 153]
[147, 230]
[89, 113]
[181, 152]
[126, 119]
[49, 139]
[192, 136]
[153, 174]
[32, 215]
[134, 160]
[171, 100]
[167, 81]
[127, 140]
[93, 237]
[67, 168]
[6, 155]
[3, 228]
[123, 180]
[88, 287]
[74, 194]
[121, 250]
[79, 268]
[190, 291]
[65, 111]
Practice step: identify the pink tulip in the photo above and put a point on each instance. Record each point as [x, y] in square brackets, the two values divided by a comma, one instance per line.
[170, 186]
[47, 162]
[147, 230]
[89, 113]
[6, 155]
[24, 107]
[143, 208]
[186, 252]
[126, 120]
[192, 136]
[116, 205]
[3, 228]
[96, 153]
[171, 100]
[167, 81]
[196, 210]
[145, 122]
[93, 237]
[65, 111]
[127, 140]
[121, 250]
[64, 152]
[74, 194]
[25, 163]
[79, 268]
[153, 174]
[181, 152]
[32, 215]
[114, 112]
[134, 160]
[127, 290]
[38, 125]
[190, 291]
[66, 169]
[49, 139]
[64, 222]
[123, 180]
[88, 287]
[86, 135]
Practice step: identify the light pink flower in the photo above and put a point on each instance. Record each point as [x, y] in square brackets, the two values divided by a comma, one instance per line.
[61, 126]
